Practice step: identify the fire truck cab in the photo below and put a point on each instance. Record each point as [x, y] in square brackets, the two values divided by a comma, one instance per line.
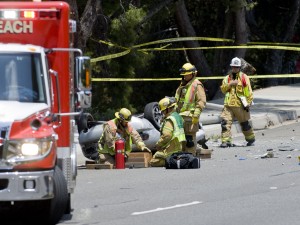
[44, 86]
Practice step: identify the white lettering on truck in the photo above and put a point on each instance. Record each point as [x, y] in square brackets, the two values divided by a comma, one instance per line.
[16, 27]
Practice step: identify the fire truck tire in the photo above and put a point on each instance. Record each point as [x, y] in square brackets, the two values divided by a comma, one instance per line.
[83, 122]
[68, 208]
[56, 207]
[153, 114]
[49, 211]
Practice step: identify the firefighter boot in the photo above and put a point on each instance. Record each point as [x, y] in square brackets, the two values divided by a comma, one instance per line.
[250, 142]
[226, 145]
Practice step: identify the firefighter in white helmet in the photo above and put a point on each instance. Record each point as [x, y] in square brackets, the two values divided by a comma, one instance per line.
[191, 101]
[171, 132]
[114, 129]
[238, 98]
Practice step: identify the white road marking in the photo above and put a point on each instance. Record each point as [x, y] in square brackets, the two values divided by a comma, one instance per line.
[166, 208]
[273, 188]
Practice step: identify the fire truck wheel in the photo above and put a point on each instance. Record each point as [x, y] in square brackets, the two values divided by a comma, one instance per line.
[153, 114]
[55, 208]
[68, 208]
[48, 211]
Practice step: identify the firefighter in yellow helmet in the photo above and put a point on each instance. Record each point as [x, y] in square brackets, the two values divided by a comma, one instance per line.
[191, 100]
[114, 129]
[171, 132]
[238, 98]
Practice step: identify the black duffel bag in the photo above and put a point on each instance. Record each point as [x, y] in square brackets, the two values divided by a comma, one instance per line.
[182, 160]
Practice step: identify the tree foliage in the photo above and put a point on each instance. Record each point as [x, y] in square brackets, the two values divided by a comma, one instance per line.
[127, 23]
[122, 35]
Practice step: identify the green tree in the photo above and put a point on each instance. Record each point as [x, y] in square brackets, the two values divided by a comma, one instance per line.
[126, 25]
[123, 32]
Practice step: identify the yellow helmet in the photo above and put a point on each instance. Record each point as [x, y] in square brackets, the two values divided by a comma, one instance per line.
[124, 115]
[166, 102]
[187, 69]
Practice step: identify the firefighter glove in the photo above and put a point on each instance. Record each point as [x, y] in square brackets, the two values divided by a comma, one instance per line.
[195, 120]
[197, 112]
[145, 149]
[126, 155]
[159, 154]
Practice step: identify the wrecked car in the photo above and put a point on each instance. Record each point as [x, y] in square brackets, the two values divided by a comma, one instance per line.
[147, 124]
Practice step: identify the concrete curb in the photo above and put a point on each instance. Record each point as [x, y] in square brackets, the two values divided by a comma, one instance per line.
[259, 120]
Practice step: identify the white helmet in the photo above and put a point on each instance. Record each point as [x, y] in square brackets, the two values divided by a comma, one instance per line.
[236, 62]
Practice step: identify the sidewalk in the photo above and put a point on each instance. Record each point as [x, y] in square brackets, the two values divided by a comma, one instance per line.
[272, 106]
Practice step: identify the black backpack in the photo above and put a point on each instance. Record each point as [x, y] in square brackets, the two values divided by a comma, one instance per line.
[182, 160]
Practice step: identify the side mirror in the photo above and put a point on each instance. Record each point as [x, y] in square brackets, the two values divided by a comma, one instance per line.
[83, 73]
[83, 82]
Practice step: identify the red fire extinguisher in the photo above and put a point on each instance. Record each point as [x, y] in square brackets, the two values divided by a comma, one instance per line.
[120, 154]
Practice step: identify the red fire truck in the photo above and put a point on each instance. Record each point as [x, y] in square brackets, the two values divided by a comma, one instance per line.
[45, 84]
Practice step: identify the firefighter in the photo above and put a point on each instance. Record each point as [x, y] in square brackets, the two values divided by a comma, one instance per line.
[191, 101]
[238, 98]
[114, 129]
[171, 132]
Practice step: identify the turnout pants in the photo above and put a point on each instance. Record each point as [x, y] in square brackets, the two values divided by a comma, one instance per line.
[190, 131]
[228, 115]
[105, 158]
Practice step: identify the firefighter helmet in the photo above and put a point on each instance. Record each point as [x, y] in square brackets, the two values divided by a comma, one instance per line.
[236, 62]
[124, 115]
[166, 102]
[187, 69]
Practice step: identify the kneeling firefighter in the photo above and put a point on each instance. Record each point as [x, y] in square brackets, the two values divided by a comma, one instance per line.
[238, 98]
[191, 100]
[171, 132]
[115, 129]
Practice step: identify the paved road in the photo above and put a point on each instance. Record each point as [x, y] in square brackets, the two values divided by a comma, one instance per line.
[273, 106]
[236, 186]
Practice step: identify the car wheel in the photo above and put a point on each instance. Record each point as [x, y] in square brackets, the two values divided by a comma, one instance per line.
[83, 122]
[153, 114]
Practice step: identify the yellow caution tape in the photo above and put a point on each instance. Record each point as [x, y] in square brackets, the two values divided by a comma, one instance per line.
[250, 45]
[184, 39]
[226, 47]
[275, 76]
[112, 44]
[116, 55]
[200, 78]
[101, 58]
[170, 40]
[273, 43]
[133, 79]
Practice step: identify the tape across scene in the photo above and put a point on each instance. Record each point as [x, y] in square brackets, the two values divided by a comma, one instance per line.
[250, 45]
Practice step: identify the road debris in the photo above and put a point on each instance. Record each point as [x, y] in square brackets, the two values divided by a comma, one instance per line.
[285, 148]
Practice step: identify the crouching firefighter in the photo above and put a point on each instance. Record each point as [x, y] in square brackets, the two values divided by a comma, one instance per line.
[114, 129]
[238, 99]
[171, 132]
